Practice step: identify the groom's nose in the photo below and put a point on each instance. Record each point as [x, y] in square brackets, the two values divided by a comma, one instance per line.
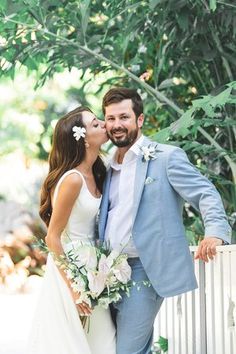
[116, 124]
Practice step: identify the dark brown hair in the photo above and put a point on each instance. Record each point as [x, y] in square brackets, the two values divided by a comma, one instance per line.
[118, 94]
[66, 154]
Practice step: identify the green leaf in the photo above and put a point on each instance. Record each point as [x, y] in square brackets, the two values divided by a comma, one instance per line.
[3, 4]
[153, 3]
[210, 103]
[162, 136]
[13, 7]
[183, 20]
[31, 63]
[213, 5]
[32, 3]
[85, 11]
[220, 99]
[183, 123]
[163, 342]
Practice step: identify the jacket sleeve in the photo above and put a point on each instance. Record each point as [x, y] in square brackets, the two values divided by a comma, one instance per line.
[198, 191]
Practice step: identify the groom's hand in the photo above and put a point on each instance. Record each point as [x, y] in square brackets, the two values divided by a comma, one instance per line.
[207, 248]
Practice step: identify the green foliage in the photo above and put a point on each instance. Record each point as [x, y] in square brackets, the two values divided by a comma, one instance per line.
[161, 346]
[28, 117]
[186, 49]
[163, 342]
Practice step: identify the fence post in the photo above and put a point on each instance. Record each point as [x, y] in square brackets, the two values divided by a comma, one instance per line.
[202, 306]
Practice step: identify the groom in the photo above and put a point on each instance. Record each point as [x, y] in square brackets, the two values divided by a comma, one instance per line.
[141, 214]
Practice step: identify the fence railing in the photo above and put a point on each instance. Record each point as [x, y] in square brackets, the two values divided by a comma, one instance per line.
[203, 321]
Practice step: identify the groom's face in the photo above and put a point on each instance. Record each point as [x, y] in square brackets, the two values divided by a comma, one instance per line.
[122, 126]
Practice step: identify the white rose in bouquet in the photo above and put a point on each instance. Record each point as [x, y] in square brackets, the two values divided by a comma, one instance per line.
[87, 256]
[104, 264]
[122, 271]
[97, 281]
[114, 254]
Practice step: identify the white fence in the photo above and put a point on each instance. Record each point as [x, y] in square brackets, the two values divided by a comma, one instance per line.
[203, 321]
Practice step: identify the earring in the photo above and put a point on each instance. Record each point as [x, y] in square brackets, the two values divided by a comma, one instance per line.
[86, 144]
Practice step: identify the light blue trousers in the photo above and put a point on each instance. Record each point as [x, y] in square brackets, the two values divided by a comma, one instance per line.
[134, 316]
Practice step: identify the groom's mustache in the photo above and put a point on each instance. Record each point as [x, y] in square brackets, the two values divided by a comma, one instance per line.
[118, 130]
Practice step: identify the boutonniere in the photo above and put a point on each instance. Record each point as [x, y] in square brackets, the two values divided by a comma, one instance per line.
[149, 152]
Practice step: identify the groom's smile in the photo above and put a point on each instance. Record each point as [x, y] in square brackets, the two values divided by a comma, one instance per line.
[123, 128]
[118, 133]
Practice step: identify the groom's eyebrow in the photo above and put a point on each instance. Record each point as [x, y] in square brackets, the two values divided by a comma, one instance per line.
[119, 115]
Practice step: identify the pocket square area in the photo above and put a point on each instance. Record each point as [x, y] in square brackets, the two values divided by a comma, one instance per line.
[149, 180]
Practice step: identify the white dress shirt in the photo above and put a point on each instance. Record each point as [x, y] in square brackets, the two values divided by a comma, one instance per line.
[121, 196]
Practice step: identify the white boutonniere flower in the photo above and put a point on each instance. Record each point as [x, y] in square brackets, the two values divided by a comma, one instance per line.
[79, 132]
[149, 152]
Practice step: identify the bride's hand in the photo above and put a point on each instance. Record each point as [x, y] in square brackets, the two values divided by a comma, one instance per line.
[83, 308]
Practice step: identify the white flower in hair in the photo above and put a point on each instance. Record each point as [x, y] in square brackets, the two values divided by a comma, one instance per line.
[78, 132]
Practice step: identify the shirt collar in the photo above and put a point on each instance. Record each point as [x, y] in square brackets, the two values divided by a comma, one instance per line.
[133, 152]
[135, 148]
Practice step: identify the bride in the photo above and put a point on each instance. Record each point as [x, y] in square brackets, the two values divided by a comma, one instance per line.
[70, 199]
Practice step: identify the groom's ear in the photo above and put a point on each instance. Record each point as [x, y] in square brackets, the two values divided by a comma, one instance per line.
[140, 120]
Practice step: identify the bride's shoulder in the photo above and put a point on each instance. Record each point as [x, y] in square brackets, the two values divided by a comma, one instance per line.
[71, 181]
[72, 178]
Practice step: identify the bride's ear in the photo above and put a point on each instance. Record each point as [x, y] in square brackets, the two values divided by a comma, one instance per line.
[86, 144]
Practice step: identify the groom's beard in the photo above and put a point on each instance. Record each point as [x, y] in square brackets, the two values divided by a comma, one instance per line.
[127, 139]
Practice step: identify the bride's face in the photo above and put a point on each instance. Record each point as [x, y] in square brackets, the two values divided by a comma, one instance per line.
[96, 134]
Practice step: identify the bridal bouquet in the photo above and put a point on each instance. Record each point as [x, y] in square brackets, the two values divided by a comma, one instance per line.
[98, 274]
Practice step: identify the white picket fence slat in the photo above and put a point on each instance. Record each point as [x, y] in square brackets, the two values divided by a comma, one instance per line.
[203, 321]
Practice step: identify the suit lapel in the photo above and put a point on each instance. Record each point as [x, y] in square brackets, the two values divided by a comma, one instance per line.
[104, 206]
[140, 177]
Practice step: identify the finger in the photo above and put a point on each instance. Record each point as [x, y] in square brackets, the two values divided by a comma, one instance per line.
[199, 254]
[204, 253]
[212, 251]
[81, 310]
[86, 309]
[85, 304]
[199, 250]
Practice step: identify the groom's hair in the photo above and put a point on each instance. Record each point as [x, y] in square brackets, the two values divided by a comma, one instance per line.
[118, 94]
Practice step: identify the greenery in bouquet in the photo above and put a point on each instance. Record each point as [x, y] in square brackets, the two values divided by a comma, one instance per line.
[100, 275]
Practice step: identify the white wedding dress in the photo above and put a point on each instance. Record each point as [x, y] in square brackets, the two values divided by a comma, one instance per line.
[57, 328]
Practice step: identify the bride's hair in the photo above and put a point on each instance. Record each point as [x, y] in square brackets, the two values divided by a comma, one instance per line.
[66, 154]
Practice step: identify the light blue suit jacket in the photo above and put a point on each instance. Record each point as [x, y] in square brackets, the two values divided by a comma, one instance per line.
[158, 232]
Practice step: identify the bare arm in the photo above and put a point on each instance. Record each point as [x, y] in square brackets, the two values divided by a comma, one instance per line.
[67, 194]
